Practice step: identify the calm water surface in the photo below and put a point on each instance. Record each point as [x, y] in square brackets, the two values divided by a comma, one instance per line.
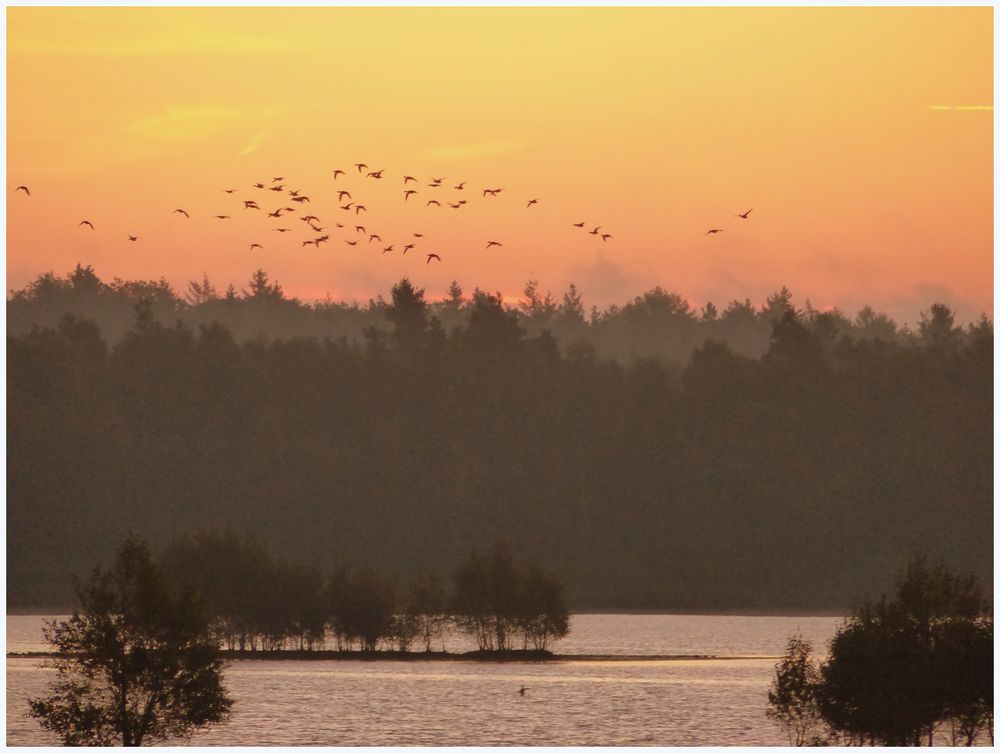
[689, 702]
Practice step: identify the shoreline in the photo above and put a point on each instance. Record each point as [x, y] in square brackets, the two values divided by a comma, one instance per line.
[432, 656]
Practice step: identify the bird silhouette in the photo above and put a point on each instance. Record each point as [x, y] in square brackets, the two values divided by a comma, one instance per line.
[596, 230]
[259, 185]
[714, 230]
[133, 237]
[294, 193]
[493, 243]
[456, 206]
[360, 208]
[579, 224]
[522, 690]
[533, 201]
[181, 211]
[461, 185]
[408, 194]
[301, 199]
[418, 235]
[250, 205]
[23, 188]
[605, 236]
[338, 172]
[222, 216]
[256, 245]
[288, 209]
[278, 180]
[435, 202]
[408, 178]
[306, 243]
[309, 218]
[377, 174]
[359, 229]
[387, 249]
[317, 229]
[361, 166]
[351, 243]
[347, 207]
[342, 194]
[277, 188]
[407, 247]
[229, 190]
[746, 214]
[275, 213]
[432, 256]
[374, 237]
[282, 230]
[88, 223]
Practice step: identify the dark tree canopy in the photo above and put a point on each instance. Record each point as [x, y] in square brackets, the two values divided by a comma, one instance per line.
[137, 661]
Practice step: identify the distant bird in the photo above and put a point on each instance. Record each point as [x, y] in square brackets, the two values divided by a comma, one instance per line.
[250, 205]
[229, 190]
[282, 230]
[88, 223]
[288, 209]
[605, 236]
[301, 199]
[361, 166]
[387, 249]
[309, 218]
[533, 201]
[359, 229]
[322, 239]
[222, 216]
[408, 178]
[437, 181]
[342, 194]
[746, 214]
[338, 224]
[714, 230]
[277, 188]
[360, 208]
[462, 201]
[374, 237]
[596, 230]
[306, 243]
[407, 247]
[337, 172]
[351, 243]
[275, 213]
[408, 194]
[23, 188]
[293, 193]
[493, 243]
[181, 211]
[432, 256]
[317, 229]
[347, 207]
[434, 202]
[256, 245]
[460, 186]
[277, 180]
[456, 206]
[491, 191]
[418, 235]
[579, 224]
[133, 237]
[377, 174]
[521, 691]
[259, 185]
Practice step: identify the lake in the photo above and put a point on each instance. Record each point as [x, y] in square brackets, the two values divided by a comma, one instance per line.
[393, 703]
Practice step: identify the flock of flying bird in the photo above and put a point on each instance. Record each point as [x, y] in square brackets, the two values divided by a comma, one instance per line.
[313, 222]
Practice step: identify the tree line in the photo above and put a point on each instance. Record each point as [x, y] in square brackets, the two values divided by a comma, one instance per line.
[717, 482]
[898, 671]
[259, 602]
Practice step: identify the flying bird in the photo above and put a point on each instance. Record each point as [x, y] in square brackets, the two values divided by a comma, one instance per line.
[181, 211]
[493, 243]
[377, 174]
[418, 235]
[259, 185]
[374, 237]
[342, 194]
[133, 237]
[360, 208]
[456, 206]
[407, 247]
[88, 223]
[460, 186]
[714, 230]
[347, 207]
[282, 230]
[359, 228]
[337, 172]
[229, 190]
[23, 188]
[434, 202]
[256, 245]
[306, 243]
[250, 205]
[408, 178]
[746, 214]
[533, 201]
[301, 199]
[293, 193]
[432, 256]
[407, 194]
[277, 180]
[222, 216]
[277, 188]
[275, 213]
[387, 250]
[309, 218]
[351, 243]
[596, 230]
[361, 166]
[579, 224]
[605, 236]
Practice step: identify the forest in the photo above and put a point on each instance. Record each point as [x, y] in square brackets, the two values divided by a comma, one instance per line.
[653, 456]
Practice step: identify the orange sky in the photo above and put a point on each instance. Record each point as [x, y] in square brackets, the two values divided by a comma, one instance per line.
[841, 127]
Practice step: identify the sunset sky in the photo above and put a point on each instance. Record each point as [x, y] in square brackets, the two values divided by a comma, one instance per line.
[862, 138]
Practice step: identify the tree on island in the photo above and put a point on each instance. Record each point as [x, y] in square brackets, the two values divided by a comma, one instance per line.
[897, 669]
[136, 663]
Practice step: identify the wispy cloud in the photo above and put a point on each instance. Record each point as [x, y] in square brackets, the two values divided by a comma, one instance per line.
[258, 137]
[472, 150]
[959, 107]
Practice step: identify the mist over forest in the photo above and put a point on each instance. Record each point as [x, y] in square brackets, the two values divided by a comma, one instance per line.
[652, 455]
